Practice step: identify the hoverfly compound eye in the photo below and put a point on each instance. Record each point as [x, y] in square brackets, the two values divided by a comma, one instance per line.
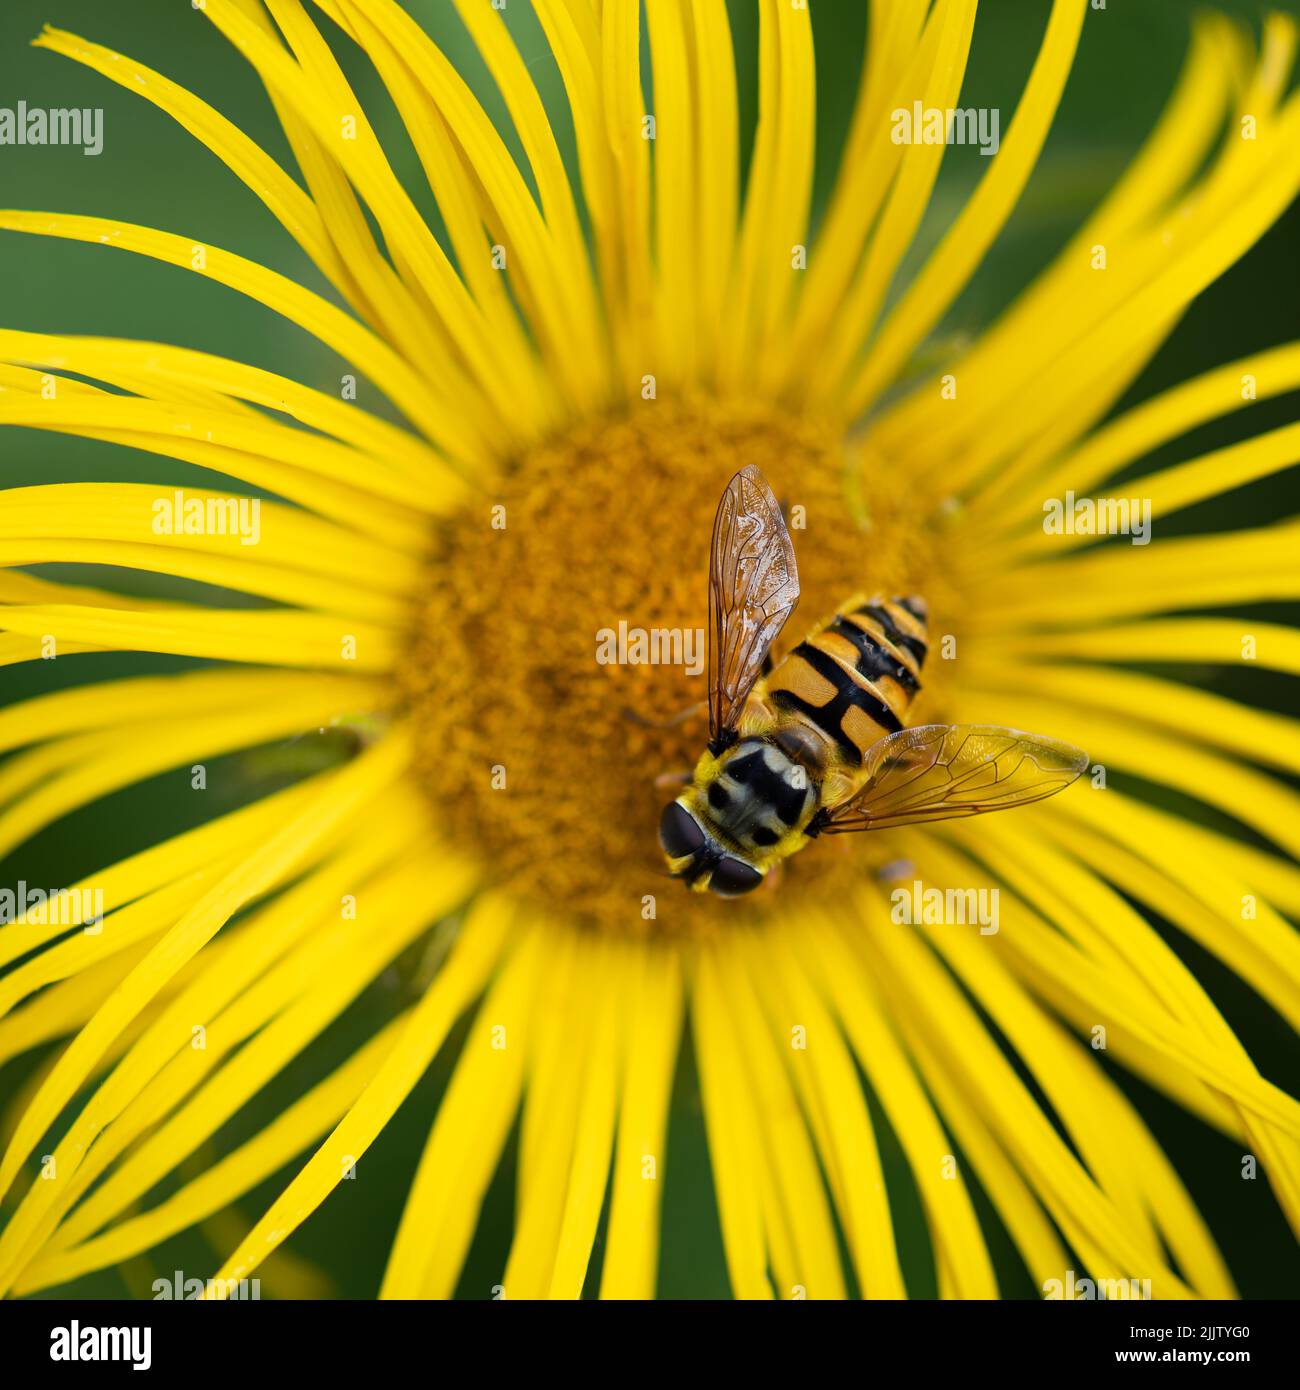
[732, 877]
[678, 833]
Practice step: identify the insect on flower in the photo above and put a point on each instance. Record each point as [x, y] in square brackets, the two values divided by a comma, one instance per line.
[818, 746]
[380, 863]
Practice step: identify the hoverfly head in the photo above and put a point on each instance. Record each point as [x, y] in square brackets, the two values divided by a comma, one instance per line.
[696, 856]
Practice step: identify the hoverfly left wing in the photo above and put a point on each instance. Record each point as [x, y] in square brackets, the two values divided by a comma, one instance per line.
[937, 771]
[753, 588]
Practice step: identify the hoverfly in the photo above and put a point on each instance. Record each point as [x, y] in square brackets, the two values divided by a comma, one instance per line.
[816, 746]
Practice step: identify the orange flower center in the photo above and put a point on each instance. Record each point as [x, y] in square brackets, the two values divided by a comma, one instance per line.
[558, 674]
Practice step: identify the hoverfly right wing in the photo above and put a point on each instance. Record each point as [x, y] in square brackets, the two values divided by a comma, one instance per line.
[937, 771]
[753, 588]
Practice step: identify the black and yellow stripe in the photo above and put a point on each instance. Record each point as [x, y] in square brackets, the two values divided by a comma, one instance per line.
[854, 677]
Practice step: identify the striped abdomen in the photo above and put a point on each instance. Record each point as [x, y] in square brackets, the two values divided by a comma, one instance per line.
[854, 678]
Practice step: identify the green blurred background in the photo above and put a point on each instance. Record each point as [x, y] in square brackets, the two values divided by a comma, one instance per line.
[152, 173]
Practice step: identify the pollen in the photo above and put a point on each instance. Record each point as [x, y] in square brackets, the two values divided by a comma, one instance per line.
[556, 680]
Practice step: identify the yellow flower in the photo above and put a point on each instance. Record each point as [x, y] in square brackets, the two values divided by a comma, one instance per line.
[578, 370]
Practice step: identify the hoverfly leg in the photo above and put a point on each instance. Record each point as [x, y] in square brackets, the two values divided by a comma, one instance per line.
[679, 718]
[666, 781]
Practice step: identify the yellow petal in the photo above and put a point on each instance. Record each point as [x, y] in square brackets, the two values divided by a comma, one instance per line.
[280, 856]
[983, 217]
[286, 637]
[470, 1131]
[228, 1178]
[458, 983]
[399, 382]
[733, 1142]
[632, 1241]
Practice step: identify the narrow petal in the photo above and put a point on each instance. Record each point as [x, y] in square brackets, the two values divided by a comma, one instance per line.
[275, 638]
[560, 1063]
[1197, 715]
[858, 311]
[1141, 430]
[717, 161]
[1029, 1226]
[400, 58]
[1184, 484]
[632, 1242]
[805, 1254]
[919, 986]
[225, 1180]
[459, 982]
[824, 1074]
[1261, 801]
[161, 865]
[1198, 894]
[1195, 641]
[552, 277]
[291, 1004]
[900, 51]
[1129, 581]
[470, 1131]
[778, 190]
[380, 364]
[227, 525]
[387, 447]
[88, 766]
[282, 854]
[593, 1139]
[1182, 140]
[733, 1142]
[954, 1228]
[980, 221]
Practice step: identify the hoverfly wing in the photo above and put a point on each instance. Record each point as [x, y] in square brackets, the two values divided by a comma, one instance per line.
[753, 588]
[937, 771]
